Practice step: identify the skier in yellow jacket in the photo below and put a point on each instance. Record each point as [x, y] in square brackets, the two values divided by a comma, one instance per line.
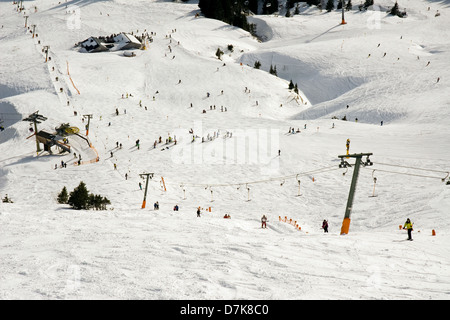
[409, 226]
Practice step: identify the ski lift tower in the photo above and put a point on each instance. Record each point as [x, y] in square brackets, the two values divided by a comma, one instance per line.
[146, 176]
[357, 165]
[343, 19]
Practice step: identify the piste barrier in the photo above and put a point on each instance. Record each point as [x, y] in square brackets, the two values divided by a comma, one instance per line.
[291, 222]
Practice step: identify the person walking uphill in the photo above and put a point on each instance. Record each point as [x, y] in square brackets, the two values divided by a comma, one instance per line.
[408, 226]
[264, 222]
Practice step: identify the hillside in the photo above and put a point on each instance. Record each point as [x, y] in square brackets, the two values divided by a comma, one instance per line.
[377, 68]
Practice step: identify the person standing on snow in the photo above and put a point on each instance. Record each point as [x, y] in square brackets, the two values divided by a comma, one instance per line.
[264, 222]
[408, 226]
[325, 226]
[198, 212]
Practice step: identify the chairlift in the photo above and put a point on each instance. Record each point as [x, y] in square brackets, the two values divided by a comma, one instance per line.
[367, 162]
[184, 191]
[346, 170]
[374, 183]
[298, 180]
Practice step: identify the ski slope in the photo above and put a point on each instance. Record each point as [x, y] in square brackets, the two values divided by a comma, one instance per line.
[49, 251]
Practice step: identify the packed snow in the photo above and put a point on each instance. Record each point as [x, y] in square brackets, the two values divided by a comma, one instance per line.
[389, 73]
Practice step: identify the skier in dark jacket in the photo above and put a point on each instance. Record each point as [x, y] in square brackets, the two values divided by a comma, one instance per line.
[325, 226]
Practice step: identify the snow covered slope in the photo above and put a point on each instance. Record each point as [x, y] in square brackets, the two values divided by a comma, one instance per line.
[49, 251]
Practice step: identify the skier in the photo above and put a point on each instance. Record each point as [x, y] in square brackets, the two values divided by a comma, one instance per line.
[198, 212]
[409, 226]
[325, 226]
[156, 206]
[140, 185]
[263, 222]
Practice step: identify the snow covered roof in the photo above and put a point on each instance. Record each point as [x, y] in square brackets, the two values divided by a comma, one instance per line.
[93, 44]
[121, 41]
[126, 38]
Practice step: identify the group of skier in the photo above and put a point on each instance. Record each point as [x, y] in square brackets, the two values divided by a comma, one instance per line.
[407, 226]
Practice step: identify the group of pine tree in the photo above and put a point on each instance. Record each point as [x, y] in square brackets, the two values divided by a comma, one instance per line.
[234, 12]
[81, 199]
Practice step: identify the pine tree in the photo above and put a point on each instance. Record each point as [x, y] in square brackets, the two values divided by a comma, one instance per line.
[270, 6]
[349, 5]
[79, 197]
[291, 85]
[63, 196]
[396, 12]
[313, 2]
[257, 64]
[228, 11]
[368, 3]
[394, 9]
[330, 5]
[273, 70]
